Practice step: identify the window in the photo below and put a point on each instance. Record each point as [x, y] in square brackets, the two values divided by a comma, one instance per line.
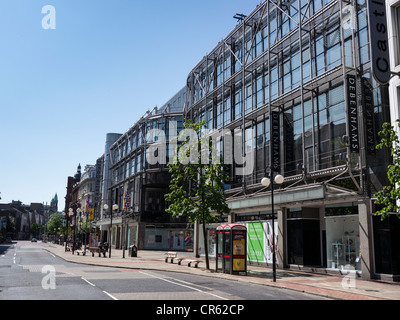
[265, 36]
[219, 114]
[272, 30]
[127, 170]
[227, 110]
[333, 53]
[249, 50]
[260, 135]
[210, 118]
[220, 70]
[248, 101]
[259, 42]
[397, 22]
[274, 82]
[266, 87]
[259, 88]
[306, 64]
[238, 103]
[227, 65]
[239, 55]
[138, 163]
[319, 55]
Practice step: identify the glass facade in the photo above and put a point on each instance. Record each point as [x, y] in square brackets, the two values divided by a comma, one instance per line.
[140, 179]
[296, 60]
[304, 76]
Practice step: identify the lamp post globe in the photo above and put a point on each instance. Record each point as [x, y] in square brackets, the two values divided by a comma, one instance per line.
[266, 182]
[279, 179]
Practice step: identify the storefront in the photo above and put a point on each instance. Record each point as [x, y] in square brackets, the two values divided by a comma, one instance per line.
[387, 247]
[177, 237]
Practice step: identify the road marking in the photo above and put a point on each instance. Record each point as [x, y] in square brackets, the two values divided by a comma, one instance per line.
[93, 285]
[112, 297]
[183, 285]
[88, 282]
[52, 254]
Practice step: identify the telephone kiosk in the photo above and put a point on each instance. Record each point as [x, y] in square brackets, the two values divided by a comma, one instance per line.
[231, 249]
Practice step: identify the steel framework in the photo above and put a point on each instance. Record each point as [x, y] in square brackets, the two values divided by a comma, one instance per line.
[257, 45]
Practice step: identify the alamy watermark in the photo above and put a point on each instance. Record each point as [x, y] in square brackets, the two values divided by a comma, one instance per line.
[49, 20]
[235, 150]
[49, 280]
[349, 279]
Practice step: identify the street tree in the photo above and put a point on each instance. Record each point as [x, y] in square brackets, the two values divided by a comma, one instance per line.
[35, 229]
[55, 223]
[389, 197]
[197, 181]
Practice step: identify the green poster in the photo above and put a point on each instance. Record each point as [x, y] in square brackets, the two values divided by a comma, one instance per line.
[255, 241]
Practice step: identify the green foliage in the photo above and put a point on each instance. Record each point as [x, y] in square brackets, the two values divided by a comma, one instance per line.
[35, 229]
[390, 194]
[55, 223]
[11, 224]
[197, 187]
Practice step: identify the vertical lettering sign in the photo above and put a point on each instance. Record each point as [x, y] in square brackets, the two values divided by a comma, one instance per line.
[369, 115]
[379, 40]
[275, 139]
[352, 112]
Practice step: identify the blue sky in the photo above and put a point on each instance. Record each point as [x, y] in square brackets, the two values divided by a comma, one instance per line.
[106, 63]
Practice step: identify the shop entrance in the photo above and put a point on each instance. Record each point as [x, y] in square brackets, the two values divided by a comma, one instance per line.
[304, 242]
[304, 237]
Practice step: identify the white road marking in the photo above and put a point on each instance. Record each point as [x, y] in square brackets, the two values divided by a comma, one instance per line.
[93, 285]
[88, 282]
[183, 285]
[112, 297]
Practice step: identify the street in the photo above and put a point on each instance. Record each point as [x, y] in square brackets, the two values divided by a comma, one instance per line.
[30, 273]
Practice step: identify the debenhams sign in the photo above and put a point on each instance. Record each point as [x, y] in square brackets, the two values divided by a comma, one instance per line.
[379, 40]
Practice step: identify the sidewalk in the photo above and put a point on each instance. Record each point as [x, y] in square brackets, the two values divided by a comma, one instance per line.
[322, 285]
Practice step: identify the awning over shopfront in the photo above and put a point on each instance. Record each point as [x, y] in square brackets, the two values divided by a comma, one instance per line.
[280, 198]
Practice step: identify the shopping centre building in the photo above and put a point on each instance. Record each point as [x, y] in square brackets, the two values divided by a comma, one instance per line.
[136, 180]
[296, 81]
[299, 85]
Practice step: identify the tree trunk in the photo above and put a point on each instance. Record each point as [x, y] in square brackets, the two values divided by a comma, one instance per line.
[206, 246]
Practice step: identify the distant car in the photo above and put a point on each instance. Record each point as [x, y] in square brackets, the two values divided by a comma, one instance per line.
[34, 240]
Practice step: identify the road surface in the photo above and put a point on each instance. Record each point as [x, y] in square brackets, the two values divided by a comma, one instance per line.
[27, 272]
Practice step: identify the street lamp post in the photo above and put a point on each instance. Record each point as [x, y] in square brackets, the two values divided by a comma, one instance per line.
[71, 213]
[126, 231]
[266, 182]
[79, 212]
[114, 208]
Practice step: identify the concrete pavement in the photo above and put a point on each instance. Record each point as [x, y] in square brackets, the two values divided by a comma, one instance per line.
[336, 287]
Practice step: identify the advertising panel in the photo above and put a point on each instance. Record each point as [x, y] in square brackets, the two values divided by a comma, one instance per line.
[259, 237]
[255, 241]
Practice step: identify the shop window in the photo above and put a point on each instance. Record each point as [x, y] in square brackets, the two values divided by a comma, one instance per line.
[386, 243]
[342, 237]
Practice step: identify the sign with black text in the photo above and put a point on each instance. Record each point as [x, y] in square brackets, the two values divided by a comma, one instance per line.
[352, 112]
[368, 104]
[378, 32]
[275, 141]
